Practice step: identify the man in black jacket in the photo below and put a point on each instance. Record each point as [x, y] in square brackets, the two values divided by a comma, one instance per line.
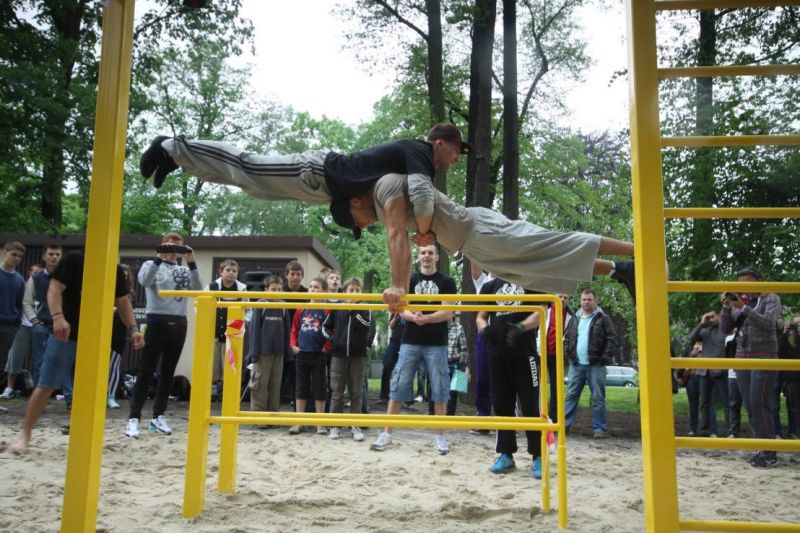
[591, 343]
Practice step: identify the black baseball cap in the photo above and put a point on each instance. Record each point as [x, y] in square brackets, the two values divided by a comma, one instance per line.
[340, 209]
[449, 132]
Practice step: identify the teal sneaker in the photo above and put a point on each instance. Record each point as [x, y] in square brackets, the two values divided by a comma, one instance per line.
[537, 468]
[504, 463]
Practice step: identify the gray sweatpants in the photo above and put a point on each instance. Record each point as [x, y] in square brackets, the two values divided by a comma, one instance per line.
[528, 255]
[280, 177]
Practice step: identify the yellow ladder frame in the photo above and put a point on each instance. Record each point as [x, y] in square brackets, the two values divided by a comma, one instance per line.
[659, 443]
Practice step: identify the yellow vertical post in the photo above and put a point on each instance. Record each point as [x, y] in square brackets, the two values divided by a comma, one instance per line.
[561, 449]
[231, 399]
[84, 455]
[194, 487]
[545, 458]
[658, 438]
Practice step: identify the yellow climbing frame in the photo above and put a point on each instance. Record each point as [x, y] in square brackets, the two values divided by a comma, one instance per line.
[659, 443]
[232, 417]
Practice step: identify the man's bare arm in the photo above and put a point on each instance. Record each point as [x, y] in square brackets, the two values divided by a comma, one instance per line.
[61, 327]
[125, 310]
[399, 252]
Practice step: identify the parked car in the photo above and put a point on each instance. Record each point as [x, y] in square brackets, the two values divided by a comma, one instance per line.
[621, 376]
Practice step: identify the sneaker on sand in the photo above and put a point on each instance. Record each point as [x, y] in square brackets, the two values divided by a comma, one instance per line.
[112, 403]
[8, 394]
[762, 460]
[624, 274]
[382, 442]
[479, 431]
[504, 463]
[294, 430]
[600, 435]
[3, 410]
[536, 472]
[358, 435]
[442, 447]
[156, 160]
[132, 430]
[159, 425]
[333, 433]
[322, 431]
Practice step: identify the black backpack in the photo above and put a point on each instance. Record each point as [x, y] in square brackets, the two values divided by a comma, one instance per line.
[181, 388]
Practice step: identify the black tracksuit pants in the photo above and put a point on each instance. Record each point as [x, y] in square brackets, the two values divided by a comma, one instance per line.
[513, 378]
[163, 340]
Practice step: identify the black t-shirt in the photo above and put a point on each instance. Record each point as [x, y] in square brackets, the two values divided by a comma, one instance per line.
[499, 321]
[69, 271]
[429, 334]
[222, 312]
[354, 174]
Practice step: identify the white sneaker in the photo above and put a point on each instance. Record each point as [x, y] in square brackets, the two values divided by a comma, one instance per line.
[8, 394]
[382, 442]
[442, 447]
[112, 404]
[358, 435]
[132, 430]
[333, 434]
[159, 425]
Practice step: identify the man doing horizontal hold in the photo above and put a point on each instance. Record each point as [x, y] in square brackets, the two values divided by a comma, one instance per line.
[392, 183]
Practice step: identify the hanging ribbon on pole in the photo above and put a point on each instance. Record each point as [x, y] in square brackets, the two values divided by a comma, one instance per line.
[235, 329]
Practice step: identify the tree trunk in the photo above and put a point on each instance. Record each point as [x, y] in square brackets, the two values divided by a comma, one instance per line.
[66, 21]
[703, 191]
[436, 75]
[480, 103]
[510, 126]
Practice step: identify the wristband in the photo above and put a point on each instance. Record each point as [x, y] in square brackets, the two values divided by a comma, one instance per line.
[53, 315]
[133, 329]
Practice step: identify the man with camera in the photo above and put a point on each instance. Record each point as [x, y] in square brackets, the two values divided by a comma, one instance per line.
[712, 338]
[166, 327]
[754, 316]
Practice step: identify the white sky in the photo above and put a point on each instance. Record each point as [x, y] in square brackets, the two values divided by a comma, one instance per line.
[299, 44]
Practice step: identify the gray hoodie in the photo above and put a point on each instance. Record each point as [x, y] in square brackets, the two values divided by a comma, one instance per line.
[157, 275]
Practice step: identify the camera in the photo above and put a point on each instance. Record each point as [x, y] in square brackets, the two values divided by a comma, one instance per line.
[171, 249]
[731, 296]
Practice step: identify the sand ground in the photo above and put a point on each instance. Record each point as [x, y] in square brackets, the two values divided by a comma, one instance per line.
[309, 482]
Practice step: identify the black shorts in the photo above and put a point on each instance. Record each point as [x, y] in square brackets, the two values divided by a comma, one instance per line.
[310, 376]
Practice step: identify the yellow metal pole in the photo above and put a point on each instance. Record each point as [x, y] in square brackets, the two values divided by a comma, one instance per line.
[194, 487]
[658, 442]
[229, 440]
[545, 455]
[84, 455]
[561, 450]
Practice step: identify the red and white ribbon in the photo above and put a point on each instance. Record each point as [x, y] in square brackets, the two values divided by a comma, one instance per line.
[234, 330]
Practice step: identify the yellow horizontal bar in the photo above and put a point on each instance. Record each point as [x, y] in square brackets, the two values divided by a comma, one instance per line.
[732, 212]
[708, 443]
[324, 419]
[329, 306]
[730, 140]
[335, 416]
[741, 363]
[729, 70]
[367, 296]
[726, 525]
[664, 5]
[780, 287]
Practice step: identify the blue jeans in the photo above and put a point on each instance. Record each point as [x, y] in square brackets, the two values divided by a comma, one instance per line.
[595, 376]
[38, 343]
[59, 360]
[435, 358]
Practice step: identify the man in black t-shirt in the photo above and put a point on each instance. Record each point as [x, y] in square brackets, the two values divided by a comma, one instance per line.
[513, 371]
[425, 338]
[64, 302]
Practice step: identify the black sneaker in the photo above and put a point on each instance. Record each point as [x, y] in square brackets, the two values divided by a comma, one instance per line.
[762, 460]
[156, 160]
[624, 272]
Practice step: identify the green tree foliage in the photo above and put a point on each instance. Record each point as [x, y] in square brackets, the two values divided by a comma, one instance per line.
[49, 64]
[731, 177]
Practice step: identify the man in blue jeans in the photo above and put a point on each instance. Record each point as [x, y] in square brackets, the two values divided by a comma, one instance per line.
[64, 302]
[591, 343]
[424, 339]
